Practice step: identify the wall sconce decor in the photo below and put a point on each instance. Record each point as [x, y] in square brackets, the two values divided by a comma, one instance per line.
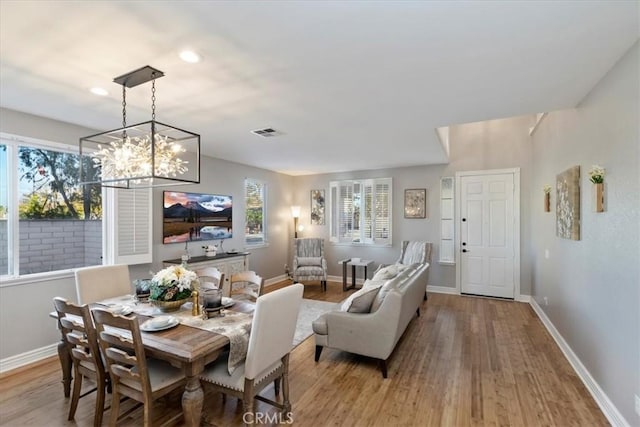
[547, 197]
[295, 212]
[148, 154]
[596, 176]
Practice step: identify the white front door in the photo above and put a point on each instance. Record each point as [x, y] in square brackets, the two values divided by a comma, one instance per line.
[488, 232]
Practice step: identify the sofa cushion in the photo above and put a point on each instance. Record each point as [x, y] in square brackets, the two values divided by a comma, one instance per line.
[382, 292]
[320, 325]
[311, 261]
[310, 271]
[360, 301]
[386, 273]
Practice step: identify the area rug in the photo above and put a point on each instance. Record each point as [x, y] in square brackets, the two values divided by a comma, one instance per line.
[309, 311]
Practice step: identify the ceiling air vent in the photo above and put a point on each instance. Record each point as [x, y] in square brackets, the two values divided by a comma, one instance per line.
[266, 132]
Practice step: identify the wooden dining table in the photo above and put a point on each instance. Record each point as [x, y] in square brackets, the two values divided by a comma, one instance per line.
[185, 346]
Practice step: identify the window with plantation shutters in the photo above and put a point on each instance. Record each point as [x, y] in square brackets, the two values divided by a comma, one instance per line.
[360, 211]
[130, 232]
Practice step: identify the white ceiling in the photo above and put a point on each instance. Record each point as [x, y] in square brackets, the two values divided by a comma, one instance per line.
[352, 85]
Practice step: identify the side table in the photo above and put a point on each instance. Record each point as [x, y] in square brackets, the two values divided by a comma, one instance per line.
[353, 262]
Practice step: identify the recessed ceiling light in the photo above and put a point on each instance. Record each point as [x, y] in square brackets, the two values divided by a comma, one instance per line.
[190, 56]
[99, 91]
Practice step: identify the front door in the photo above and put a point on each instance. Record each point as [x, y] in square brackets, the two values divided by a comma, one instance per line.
[488, 232]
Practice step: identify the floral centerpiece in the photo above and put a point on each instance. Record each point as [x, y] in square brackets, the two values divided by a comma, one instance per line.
[171, 286]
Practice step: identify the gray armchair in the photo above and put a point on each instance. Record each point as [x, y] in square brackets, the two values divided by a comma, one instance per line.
[309, 262]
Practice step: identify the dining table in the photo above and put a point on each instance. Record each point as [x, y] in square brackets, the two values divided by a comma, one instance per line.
[188, 347]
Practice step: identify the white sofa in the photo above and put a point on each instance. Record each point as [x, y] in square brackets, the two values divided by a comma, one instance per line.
[376, 333]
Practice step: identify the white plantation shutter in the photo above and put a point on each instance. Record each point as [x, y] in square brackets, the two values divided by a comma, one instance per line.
[361, 211]
[128, 236]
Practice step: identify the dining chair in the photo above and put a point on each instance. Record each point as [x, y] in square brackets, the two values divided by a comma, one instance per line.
[79, 336]
[132, 374]
[267, 355]
[246, 285]
[101, 282]
[210, 277]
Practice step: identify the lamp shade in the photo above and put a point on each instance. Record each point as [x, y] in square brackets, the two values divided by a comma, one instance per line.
[295, 211]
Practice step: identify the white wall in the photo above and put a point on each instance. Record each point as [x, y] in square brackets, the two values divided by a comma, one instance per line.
[593, 285]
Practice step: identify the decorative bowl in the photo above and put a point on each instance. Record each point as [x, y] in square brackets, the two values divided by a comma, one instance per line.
[168, 306]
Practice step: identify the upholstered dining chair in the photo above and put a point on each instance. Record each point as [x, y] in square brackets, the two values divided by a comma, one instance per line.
[210, 277]
[268, 353]
[79, 336]
[246, 285]
[132, 374]
[309, 262]
[100, 282]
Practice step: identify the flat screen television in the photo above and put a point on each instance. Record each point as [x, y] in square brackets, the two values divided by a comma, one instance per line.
[189, 217]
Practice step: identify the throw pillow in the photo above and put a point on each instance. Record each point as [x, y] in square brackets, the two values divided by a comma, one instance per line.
[308, 261]
[386, 273]
[382, 293]
[360, 301]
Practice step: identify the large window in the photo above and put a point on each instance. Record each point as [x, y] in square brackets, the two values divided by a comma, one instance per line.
[360, 211]
[47, 221]
[255, 195]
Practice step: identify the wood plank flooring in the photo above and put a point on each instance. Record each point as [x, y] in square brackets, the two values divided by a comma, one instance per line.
[465, 362]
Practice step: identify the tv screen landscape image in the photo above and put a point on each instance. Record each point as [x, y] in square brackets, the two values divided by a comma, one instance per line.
[189, 217]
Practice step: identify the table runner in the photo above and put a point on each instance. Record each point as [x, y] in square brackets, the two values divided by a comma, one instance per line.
[233, 325]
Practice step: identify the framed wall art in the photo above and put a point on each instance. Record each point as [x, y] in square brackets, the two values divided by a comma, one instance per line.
[317, 207]
[568, 204]
[415, 203]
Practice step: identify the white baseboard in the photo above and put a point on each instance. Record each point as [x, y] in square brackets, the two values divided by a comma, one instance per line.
[31, 356]
[442, 290]
[275, 280]
[523, 298]
[608, 408]
[339, 280]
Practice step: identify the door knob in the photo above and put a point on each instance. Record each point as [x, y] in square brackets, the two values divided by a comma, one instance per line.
[464, 250]
[464, 243]
[464, 219]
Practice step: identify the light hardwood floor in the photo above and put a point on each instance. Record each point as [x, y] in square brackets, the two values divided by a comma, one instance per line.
[465, 362]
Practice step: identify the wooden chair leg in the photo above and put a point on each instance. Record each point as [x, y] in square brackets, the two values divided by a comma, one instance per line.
[318, 351]
[77, 386]
[100, 397]
[276, 386]
[383, 367]
[115, 407]
[248, 403]
[285, 385]
[418, 311]
[425, 295]
[147, 408]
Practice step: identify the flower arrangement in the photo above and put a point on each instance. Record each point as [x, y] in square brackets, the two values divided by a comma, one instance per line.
[546, 189]
[596, 174]
[172, 284]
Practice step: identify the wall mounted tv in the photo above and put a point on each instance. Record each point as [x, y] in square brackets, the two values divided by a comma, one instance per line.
[189, 217]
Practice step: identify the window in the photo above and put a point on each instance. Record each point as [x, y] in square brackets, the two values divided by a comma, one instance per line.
[47, 221]
[255, 195]
[360, 211]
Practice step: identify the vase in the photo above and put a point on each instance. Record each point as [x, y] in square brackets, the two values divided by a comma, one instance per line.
[547, 202]
[598, 194]
[169, 306]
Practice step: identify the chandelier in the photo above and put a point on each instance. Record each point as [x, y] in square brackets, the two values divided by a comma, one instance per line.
[148, 154]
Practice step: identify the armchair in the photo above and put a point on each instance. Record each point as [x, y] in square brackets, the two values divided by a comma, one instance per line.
[414, 251]
[309, 262]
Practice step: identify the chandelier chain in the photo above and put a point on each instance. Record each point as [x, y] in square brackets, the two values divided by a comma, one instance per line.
[124, 111]
[153, 98]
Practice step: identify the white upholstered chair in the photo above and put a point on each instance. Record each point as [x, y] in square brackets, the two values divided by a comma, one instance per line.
[268, 353]
[132, 374]
[246, 285]
[101, 282]
[309, 262]
[414, 251]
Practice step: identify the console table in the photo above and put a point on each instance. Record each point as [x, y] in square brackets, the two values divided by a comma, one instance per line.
[354, 262]
[227, 263]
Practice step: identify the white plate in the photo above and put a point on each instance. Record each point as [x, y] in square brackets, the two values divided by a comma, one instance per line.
[148, 327]
[227, 302]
